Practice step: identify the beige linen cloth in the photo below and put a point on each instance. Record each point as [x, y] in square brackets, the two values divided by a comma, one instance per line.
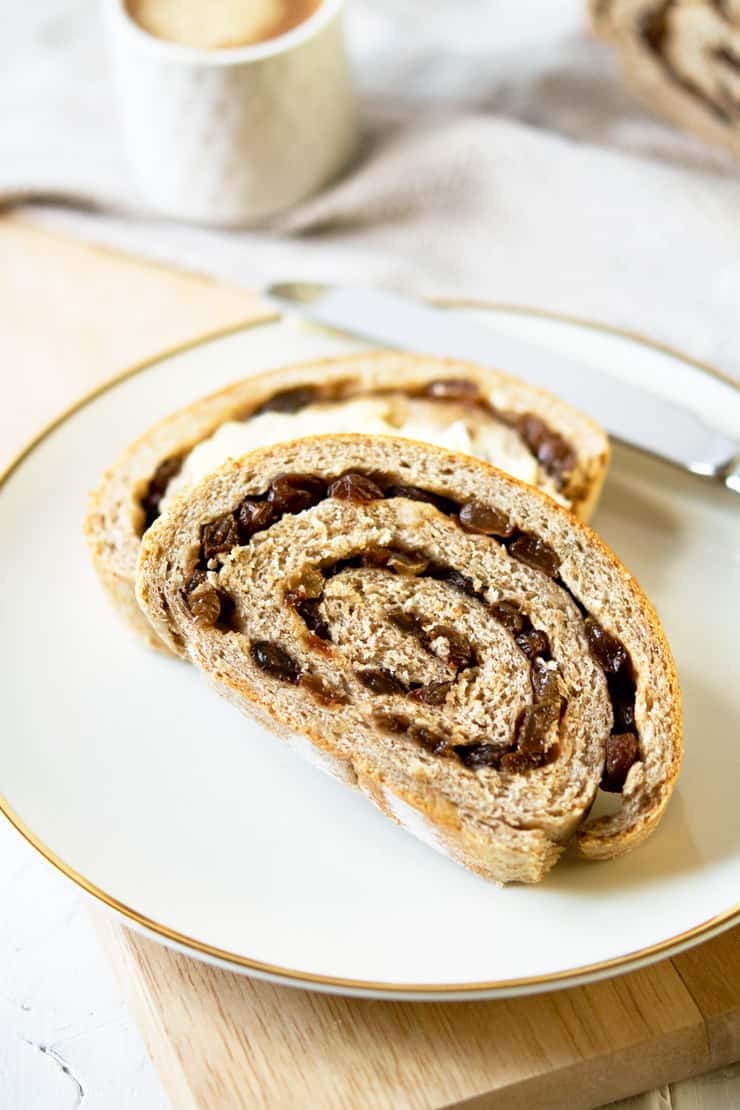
[501, 158]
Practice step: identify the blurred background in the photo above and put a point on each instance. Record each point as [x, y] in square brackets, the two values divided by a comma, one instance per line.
[501, 155]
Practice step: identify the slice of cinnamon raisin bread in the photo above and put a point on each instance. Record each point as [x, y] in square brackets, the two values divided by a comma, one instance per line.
[445, 637]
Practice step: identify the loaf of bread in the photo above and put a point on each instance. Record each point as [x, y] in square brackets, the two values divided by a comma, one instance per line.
[519, 428]
[683, 58]
[444, 637]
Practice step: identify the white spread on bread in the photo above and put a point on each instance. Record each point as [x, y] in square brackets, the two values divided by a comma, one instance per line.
[489, 440]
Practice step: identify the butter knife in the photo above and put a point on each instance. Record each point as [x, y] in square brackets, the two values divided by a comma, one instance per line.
[633, 415]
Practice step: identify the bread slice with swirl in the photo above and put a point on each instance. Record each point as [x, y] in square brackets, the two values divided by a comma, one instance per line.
[519, 428]
[682, 57]
[445, 638]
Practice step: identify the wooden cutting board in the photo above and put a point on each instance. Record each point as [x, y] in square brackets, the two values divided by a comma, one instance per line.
[225, 1042]
[71, 316]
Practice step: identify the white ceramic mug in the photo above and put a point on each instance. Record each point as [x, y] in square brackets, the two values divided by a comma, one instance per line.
[228, 137]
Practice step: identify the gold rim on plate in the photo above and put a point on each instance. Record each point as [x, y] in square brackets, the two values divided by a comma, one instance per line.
[571, 976]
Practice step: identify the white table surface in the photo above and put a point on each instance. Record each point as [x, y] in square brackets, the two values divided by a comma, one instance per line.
[66, 1039]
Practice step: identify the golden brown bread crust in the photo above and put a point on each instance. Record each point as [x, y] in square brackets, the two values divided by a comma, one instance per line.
[502, 826]
[115, 519]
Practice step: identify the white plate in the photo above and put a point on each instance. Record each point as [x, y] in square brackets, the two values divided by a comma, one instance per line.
[165, 804]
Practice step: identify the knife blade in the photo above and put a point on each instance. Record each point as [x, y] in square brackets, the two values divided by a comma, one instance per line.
[631, 414]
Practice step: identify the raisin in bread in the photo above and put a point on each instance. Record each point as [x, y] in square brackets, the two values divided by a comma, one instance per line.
[442, 636]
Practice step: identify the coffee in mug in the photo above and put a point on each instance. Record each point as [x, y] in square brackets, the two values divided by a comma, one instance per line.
[220, 24]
